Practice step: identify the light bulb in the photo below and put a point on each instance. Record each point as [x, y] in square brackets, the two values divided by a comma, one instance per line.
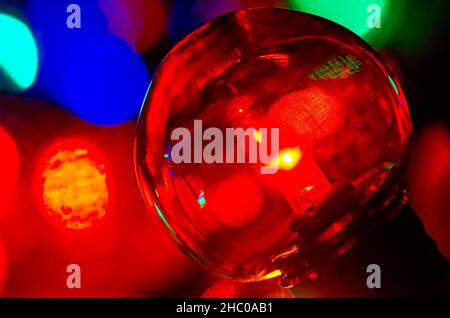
[343, 133]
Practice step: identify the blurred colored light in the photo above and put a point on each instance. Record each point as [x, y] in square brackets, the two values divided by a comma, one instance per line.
[231, 289]
[9, 171]
[75, 191]
[3, 267]
[221, 289]
[430, 180]
[207, 9]
[141, 23]
[257, 135]
[89, 71]
[405, 24]
[286, 159]
[351, 14]
[18, 51]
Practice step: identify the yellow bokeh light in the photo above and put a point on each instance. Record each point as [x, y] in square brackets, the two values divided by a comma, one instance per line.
[75, 190]
[286, 159]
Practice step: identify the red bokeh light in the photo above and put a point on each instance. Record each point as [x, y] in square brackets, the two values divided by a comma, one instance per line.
[429, 183]
[124, 255]
[3, 267]
[9, 172]
[230, 289]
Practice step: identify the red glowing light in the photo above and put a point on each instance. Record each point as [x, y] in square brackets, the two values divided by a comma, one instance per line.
[9, 171]
[220, 289]
[313, 275]
[286, 159]
[241, 204]
[231, 289]
[429, 184]
[73, 184]
[3, 267]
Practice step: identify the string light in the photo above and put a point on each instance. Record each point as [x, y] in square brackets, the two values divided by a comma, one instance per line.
[342, 120]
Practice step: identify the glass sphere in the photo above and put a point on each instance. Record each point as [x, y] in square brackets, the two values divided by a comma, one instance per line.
[340, 120]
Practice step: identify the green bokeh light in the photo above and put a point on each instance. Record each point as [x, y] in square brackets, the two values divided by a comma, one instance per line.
[18, 51]
[405, 24]
[352, 14]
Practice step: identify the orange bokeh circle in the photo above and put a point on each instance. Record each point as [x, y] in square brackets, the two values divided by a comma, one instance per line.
[74, 188]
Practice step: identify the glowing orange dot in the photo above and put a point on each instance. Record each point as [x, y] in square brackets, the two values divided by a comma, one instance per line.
[286, 159]
[75, 191]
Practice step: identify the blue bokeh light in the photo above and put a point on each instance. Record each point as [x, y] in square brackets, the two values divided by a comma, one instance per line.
[88, 71]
